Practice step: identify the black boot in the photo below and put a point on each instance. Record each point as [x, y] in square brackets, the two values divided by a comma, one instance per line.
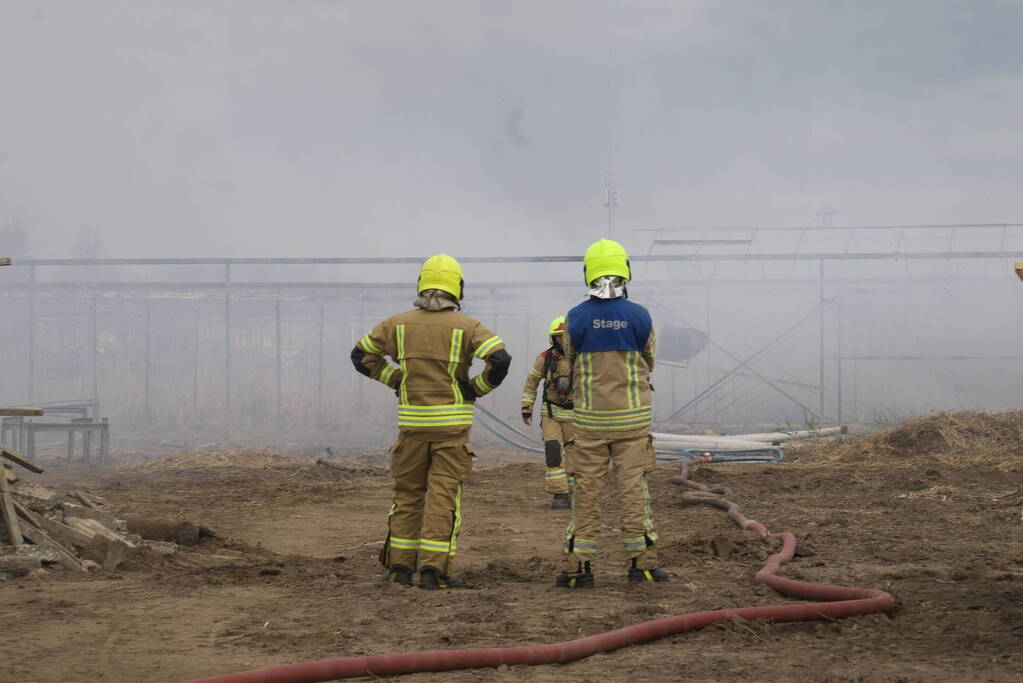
[561, 501]
[399, 574]
[431, 579]
[645, 575]
[582, 578]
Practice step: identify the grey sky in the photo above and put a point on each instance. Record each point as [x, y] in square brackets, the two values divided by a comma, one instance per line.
[342, 128]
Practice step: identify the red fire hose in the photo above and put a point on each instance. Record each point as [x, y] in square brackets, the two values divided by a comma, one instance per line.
[835, 602]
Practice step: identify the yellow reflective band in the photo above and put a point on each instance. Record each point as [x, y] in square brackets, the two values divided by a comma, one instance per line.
[536, 374]
[457, 528]
[434, 416]
[560, 413]
[583, 545]
[556, 474]
[529, 399]
[387, 373]
[481, 385]
[434, 546]
[454, 354]
[403, 543]
[368, 345]
[634, 543]
[402, 390]
[632, 364]
[586, 377]
[486, 347]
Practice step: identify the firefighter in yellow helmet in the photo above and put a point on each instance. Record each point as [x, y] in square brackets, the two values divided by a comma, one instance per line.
[433, 346]
[552, 367]
[609, 343]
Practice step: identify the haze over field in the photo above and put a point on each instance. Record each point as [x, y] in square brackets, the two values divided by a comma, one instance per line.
[262, 128]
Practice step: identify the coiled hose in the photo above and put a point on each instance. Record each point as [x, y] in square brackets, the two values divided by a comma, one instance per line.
[832, 602]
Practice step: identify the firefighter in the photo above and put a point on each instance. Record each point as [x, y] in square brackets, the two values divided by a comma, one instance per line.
[433, 346]
[552, 367]
[609, 343]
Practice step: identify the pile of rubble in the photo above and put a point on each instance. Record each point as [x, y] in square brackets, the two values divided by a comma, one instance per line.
[42, 528]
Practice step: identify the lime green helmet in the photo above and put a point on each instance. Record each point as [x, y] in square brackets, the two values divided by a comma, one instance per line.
[557, 327]
[606, 257]
[442, 272]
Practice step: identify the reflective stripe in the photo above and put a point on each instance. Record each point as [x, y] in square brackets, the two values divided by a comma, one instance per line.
[559, 413]
[427, 545]
[648, 513]
[529, 398]
[634, 543]
[368, 345]
[486, 347]
[556, 474]
[403, 543]
[586, 379]
[613, 419]
[632, 365]
[457, 528]
[402, 390]
[481, 385]
[387, 373]
[536, 374]
[431, 416]
[454, 354]
[584, 545]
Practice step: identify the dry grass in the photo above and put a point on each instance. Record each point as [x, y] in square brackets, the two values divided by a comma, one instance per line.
[260, 458]
[954, 438]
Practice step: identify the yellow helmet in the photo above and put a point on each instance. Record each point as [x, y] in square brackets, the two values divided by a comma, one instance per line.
[442, 272]
[606, 257]
[557, 327]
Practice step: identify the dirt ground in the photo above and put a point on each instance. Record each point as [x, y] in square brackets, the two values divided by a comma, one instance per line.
[294, 576]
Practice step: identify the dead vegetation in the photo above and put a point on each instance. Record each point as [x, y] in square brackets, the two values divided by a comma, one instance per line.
[994, 438]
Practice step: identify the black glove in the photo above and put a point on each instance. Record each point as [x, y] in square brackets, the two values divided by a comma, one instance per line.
[468, 391]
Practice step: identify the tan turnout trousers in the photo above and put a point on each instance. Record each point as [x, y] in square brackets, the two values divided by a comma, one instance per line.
[426, 514]
[633, 458]
[557, 479]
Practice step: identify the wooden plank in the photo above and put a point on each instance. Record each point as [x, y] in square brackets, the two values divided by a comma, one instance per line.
[10, 516]
[40, 537]
[16, 457]
[20, 412]
[66, 533]
[29, 516]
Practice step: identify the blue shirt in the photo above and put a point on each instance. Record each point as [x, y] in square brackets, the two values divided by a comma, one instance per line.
[609, 325]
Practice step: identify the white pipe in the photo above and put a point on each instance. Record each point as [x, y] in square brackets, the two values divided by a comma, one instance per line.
[681, 442]
[768, 437]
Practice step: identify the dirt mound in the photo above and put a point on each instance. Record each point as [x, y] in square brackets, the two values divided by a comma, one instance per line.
[260, 458]
[962, 435]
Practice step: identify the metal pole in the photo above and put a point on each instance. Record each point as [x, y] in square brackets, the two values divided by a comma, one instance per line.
[95, 347]
[195, 370]
[149, 364]
[227, 347]
[278, 360]
[319, 365]
[821, 310]
[838, 351]
[32, 334]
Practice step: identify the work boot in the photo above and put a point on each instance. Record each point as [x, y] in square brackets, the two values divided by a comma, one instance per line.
[431, 579]
[581, 578]
[561, 501]
[637, 575]
[399, 574]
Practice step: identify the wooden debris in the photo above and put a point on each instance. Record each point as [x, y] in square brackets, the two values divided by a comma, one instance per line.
[9, 472]
[16, 457]
[108, 552]
[40, 537]
[19, 563]
[9, 514]
[81, 512]
[20, 412]
[93, 528]
[87, 499]
[68, 534]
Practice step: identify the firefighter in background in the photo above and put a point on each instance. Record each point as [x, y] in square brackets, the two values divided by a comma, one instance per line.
[552, 367]
[433, 346]
[609, 343]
